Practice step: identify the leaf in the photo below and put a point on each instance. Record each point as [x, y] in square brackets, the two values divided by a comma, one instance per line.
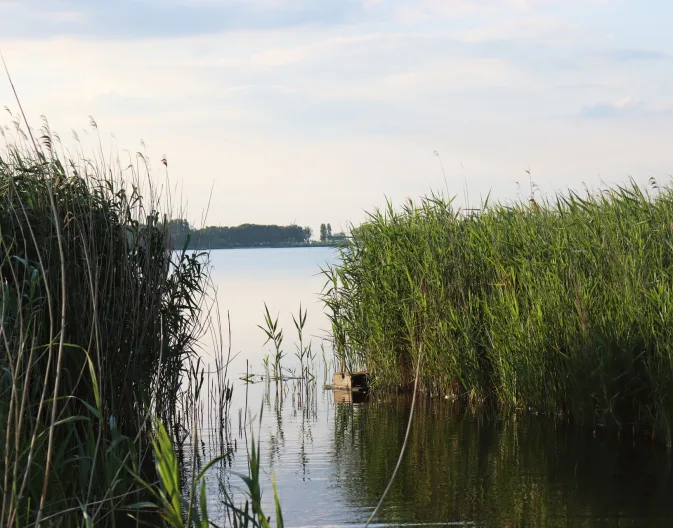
[279, 513]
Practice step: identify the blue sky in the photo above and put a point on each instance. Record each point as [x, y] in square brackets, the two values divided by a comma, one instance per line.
[311, 111]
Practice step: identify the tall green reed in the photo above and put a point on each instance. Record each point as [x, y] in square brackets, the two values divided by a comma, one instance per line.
[100, 320]
[564, 305]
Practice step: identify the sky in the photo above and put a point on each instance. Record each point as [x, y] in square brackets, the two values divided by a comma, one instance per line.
[311, 111]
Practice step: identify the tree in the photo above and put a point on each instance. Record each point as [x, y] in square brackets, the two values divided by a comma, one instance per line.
[329, 231]
[179, 231]
[323, 232]
[250, 235]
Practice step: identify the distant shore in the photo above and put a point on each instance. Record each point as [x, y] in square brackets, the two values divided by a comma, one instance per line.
[278, 246]
[183, 235]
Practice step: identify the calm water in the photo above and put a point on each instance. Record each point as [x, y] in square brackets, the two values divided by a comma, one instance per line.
[332, 461]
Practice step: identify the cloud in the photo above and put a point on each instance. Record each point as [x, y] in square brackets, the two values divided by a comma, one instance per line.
[626, 107]
[628, 55]
[424, 10]
[134, 19]
[541, 29]
[278, 56]
[459, 74]
[265, 91]
[124, 19]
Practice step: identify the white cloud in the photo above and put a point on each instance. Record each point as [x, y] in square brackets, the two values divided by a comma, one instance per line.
[63, 16]
[460, 74]
[284, 56]
[627, 107]
[327, 118]
[529, 28]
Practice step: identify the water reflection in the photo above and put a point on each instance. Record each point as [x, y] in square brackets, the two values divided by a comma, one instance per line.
[332, 462]
[522, 471]
[346, 396]
[332, 457]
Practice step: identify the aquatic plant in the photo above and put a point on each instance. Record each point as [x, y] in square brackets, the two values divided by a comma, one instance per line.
[180, 508]
[274, 334]
[99, 318]
[562, 305]
[304, 352]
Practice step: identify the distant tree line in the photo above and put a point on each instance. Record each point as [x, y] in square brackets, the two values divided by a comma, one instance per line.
[245, 235]
[327, 236]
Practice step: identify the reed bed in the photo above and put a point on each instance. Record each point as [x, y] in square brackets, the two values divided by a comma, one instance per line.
[562, 306]
[100, 319]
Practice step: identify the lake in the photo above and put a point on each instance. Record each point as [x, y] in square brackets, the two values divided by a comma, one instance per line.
[332, 461]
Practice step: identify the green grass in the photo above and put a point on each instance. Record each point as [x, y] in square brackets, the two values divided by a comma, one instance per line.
[564, 306]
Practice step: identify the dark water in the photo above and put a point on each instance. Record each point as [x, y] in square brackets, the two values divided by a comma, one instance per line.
[332, 461]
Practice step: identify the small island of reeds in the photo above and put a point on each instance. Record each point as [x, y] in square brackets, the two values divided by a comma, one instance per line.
[562, 307]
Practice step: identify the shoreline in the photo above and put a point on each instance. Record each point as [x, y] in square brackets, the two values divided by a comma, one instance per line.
[280, 246]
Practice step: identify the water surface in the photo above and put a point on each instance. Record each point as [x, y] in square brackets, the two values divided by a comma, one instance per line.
[332, 461]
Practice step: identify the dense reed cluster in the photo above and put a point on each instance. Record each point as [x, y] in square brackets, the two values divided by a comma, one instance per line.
[562, 306]
[99, 322]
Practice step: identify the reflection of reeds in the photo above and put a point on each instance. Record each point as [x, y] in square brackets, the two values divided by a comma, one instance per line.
[212, 436]
[563, 305]
[461, 466]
